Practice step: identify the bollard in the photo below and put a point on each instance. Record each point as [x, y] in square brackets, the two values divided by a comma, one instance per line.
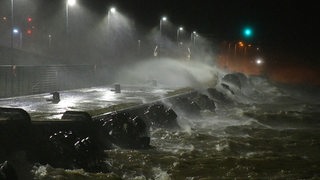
[117, 88]
[55, 97]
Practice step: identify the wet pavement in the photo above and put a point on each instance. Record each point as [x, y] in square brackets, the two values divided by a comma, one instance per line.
[95, 100]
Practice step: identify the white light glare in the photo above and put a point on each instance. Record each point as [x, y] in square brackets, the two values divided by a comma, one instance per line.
[71, 2]
[259, 61]
[15, 31]
[113, 10]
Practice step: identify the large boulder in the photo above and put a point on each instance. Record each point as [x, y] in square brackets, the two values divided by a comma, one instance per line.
[218, 96]
[125, 130]
[236, 80]
[205, 103]
[14, 129]
[7, 171]
[187, 106]
[160, 116]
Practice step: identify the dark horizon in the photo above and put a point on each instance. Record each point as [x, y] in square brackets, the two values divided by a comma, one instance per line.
[286, 27]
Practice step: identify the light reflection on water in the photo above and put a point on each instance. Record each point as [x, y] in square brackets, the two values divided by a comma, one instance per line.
[270, 140]
[220, 147]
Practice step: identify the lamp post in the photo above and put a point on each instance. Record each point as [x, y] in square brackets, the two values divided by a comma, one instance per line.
[111, 11]
[12, 24]
[161, 21]
[109, 32]
[16, 31]
[178, 33]
[139, 46]
[20, 40]
[49, 41]
[68, 3]
[193, 37]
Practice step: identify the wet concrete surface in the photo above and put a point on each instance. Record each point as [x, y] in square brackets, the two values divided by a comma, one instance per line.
[88, 99]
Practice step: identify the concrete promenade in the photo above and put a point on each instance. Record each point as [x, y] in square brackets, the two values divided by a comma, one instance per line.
[94, 100]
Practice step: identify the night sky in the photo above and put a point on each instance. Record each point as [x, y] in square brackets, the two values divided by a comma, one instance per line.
[284, 26]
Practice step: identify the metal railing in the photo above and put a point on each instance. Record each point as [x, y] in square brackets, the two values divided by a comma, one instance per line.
[27, 80]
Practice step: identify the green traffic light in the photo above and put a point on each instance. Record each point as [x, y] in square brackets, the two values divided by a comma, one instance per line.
[247, 32]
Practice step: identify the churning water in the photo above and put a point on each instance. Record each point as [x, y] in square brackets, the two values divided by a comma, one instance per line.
[258, 131]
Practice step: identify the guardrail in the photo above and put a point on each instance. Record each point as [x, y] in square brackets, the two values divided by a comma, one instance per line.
[28, 80]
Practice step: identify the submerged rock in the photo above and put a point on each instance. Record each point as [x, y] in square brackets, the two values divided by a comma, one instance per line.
[65, 149]
[7, 171]
[227, 87]
[188, 106]
[218, 96]
[234, 79]
[125, 130]
[192, 104]
[160, 116]
[205, 103]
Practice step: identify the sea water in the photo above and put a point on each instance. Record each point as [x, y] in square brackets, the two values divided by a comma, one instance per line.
[265, 131]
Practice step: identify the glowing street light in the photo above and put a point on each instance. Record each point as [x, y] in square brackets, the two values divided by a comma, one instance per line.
[193, 37]
[71, 2]
[259, 61]
[16, 31]
[49, 40]
[68, 3]
[111, 11]
[178, 33]
[163, 19]
[12, 32]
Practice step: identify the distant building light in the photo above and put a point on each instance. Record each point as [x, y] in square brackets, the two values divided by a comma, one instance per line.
[29, 19]
[29, 31]
[259, 61]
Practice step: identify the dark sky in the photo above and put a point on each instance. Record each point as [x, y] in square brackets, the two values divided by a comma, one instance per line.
[283, 25]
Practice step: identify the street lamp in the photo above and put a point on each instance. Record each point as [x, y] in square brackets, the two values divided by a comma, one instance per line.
[68, 3]
[49, 40]
[12, 24]
[193, 37]
[17, 31]
[139, 46]
[161, 21]
[178, 33]
[111, 11]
